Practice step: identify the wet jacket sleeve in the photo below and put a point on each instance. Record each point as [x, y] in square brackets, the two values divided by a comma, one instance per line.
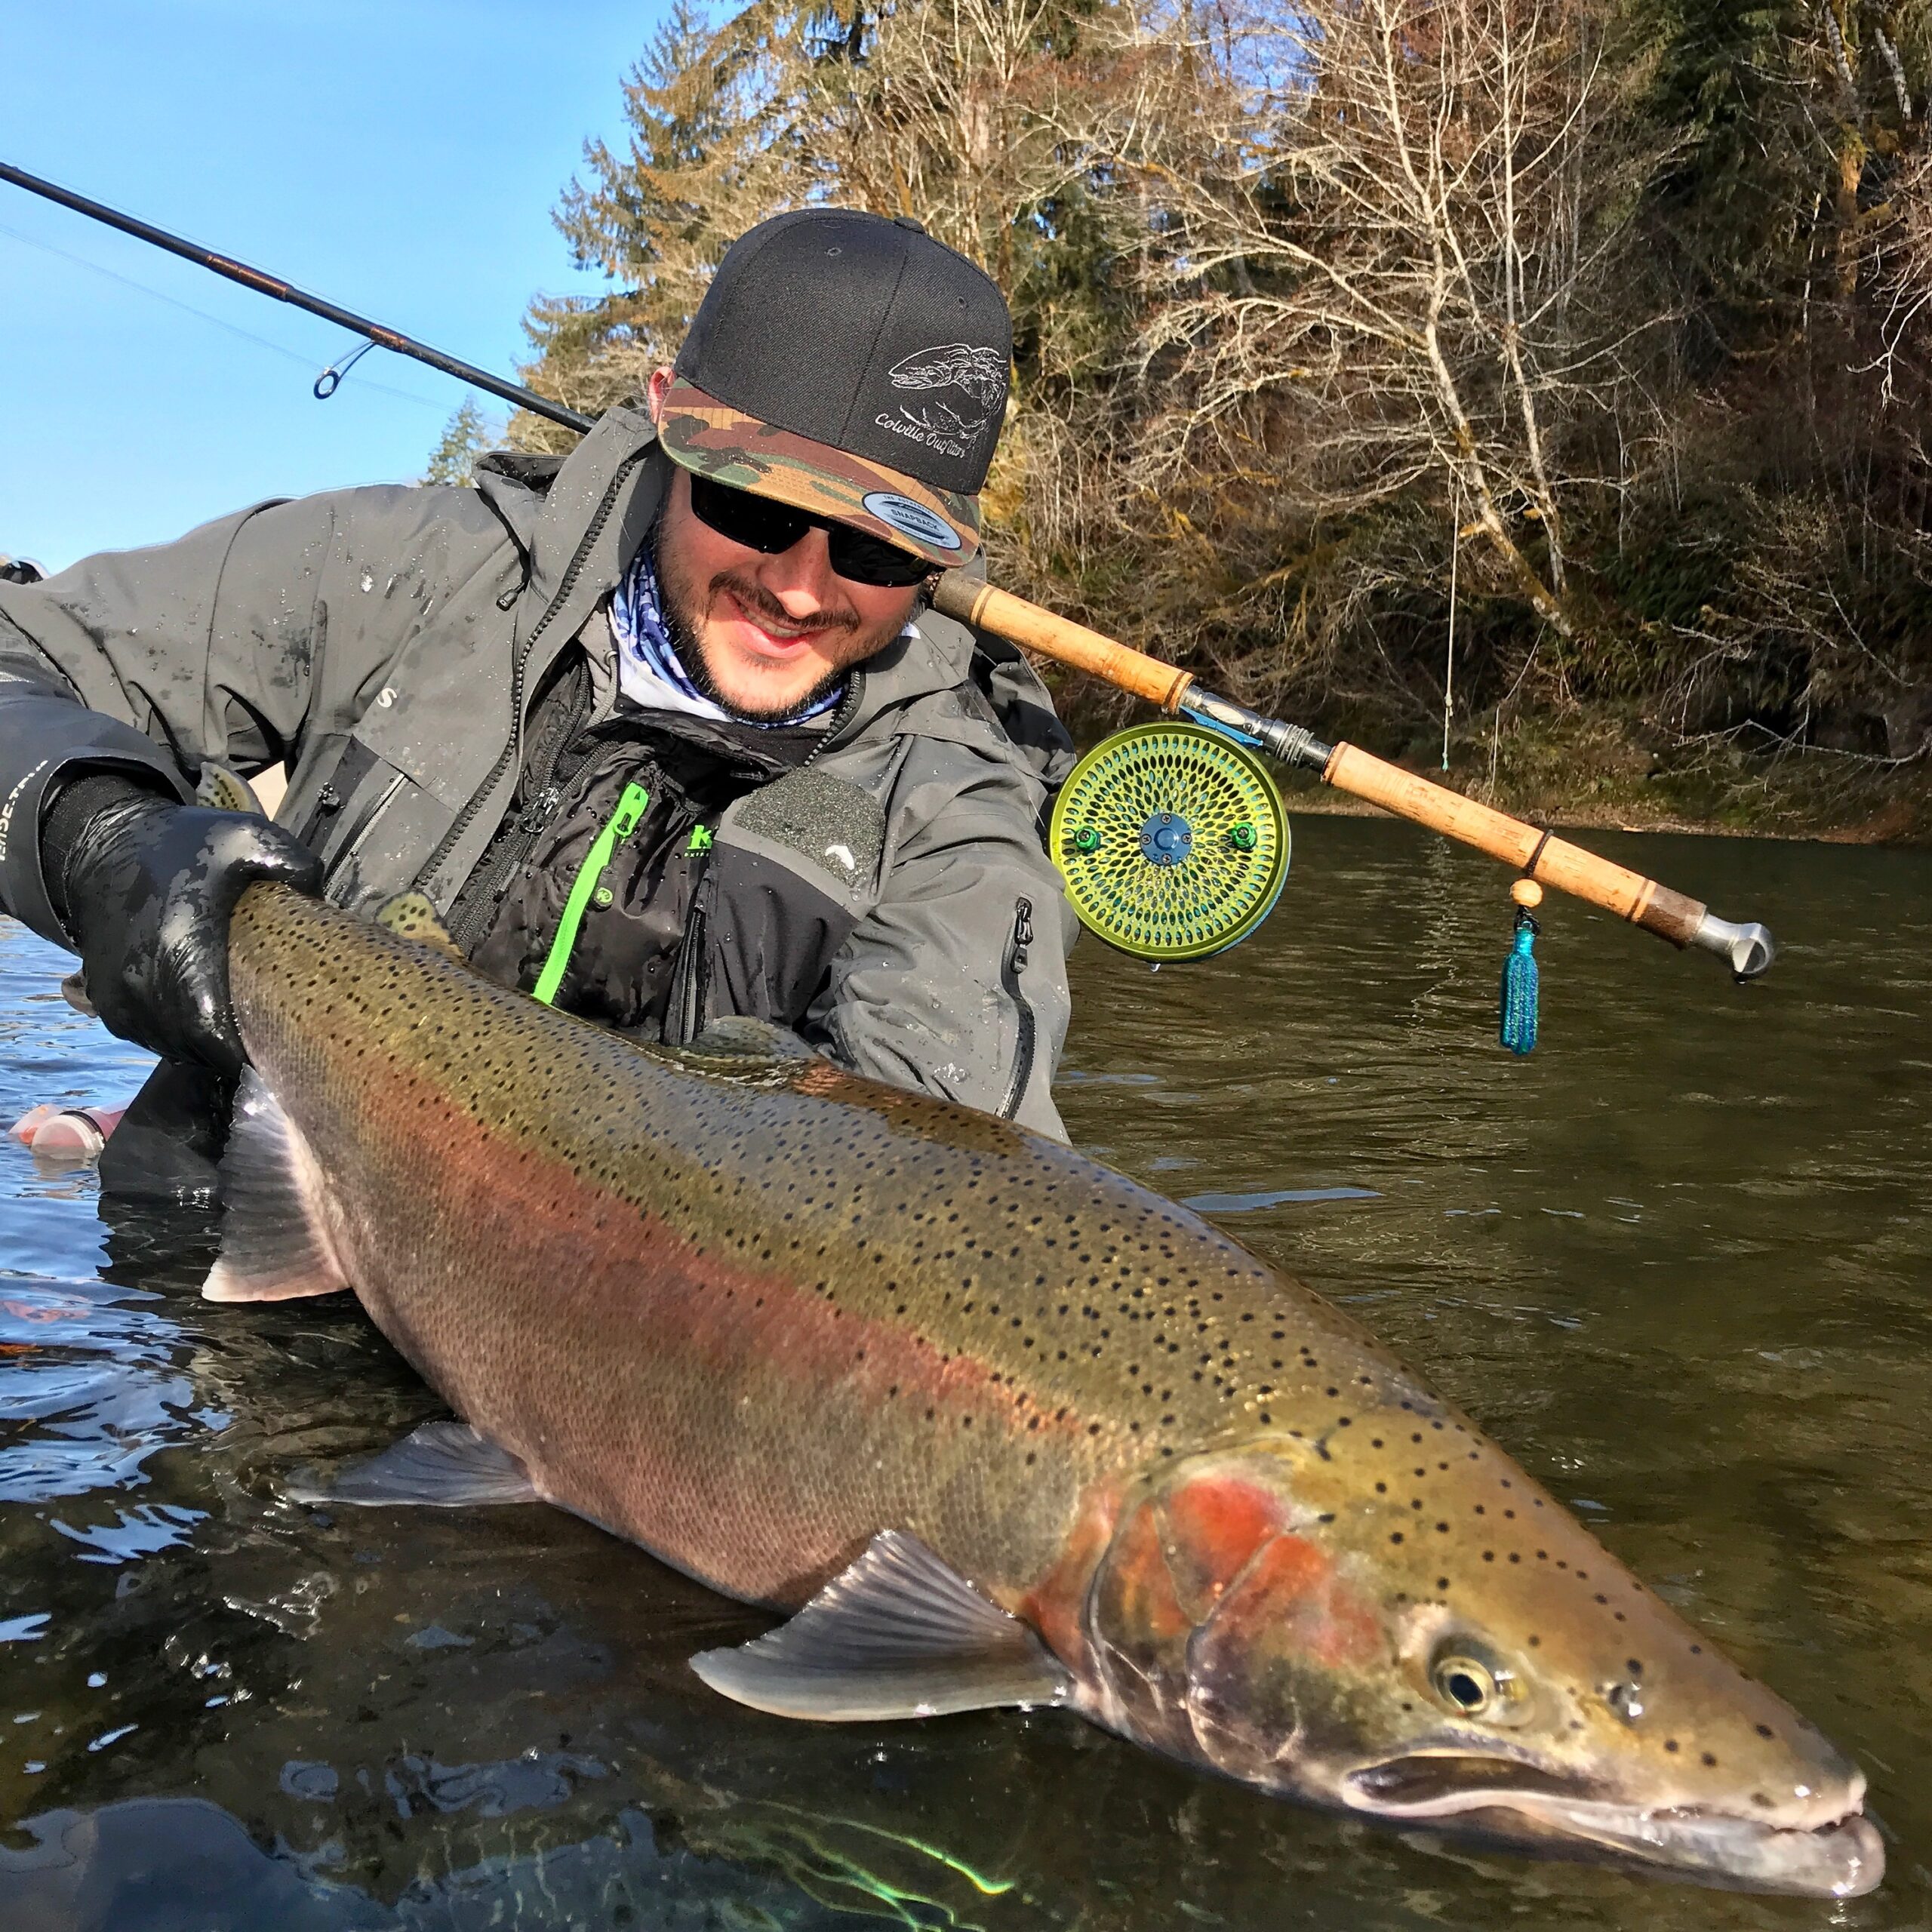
[955, 983]
[151, 661]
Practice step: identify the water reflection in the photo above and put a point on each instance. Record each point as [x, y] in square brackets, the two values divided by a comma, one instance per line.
[1676, 1262]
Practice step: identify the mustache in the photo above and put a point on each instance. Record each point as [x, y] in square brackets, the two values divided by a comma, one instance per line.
[756, 601]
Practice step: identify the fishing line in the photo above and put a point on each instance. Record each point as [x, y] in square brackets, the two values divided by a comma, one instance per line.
[188, 308]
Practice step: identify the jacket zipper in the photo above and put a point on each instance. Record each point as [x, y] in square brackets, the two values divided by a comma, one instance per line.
[512, 752]
[683, 1015]
[631, 802]
[1010, 971]
[475, 904]
[690, 977]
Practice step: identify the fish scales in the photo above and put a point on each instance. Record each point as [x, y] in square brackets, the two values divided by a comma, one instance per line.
[754, 1316]
[799, 1312]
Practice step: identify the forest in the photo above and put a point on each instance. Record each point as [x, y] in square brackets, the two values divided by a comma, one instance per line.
[1537, 389]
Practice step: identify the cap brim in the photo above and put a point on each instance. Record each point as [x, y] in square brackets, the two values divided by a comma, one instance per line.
[712, 439]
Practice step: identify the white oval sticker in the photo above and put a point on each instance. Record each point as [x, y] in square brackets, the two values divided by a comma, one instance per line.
[911, 519]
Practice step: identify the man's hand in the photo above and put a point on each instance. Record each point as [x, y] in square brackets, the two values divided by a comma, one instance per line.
[146, 887]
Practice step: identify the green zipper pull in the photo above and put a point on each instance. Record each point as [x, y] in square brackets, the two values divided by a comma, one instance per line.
[617, 827]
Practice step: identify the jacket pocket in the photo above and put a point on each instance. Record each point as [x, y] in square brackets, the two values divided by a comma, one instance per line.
[339, 801]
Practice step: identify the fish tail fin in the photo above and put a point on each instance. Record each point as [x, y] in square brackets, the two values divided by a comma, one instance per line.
[274, 1242]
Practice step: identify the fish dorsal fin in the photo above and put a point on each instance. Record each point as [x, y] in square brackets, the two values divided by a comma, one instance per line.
[410, 915]
[444, 1465]
[738, 1037]
[898, 1634]
[274, 1239]
[226, 791]
[745, 1051]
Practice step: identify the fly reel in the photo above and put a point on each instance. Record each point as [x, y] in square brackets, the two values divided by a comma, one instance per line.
[1172, 840]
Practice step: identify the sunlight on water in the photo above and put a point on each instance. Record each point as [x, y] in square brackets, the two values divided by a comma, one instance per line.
[1676, 1262]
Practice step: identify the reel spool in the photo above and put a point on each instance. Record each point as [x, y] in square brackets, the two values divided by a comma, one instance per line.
[1172, 841]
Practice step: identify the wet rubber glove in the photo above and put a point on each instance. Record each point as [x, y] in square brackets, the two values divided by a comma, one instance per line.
[144, 887]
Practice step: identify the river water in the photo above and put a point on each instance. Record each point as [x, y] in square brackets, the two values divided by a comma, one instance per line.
[1676, 1262]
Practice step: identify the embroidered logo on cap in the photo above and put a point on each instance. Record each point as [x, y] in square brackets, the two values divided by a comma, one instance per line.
[911, 519]
[980, 374]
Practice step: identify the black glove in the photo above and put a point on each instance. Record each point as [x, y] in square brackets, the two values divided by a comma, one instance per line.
[144, 887]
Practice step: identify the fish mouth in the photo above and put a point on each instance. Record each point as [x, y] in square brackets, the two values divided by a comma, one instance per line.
[1533, 1809]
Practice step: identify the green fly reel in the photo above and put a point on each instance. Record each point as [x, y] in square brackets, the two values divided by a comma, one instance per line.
[1173, 840]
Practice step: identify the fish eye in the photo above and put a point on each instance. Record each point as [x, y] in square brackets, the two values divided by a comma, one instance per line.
[1465, 1683]
[1474, 1687]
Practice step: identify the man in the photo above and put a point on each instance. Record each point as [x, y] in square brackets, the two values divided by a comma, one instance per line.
[663, 729]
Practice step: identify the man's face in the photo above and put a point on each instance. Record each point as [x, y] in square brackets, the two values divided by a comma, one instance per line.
[773, 631]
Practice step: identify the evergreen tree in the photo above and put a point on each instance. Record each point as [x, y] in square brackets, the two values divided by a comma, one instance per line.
[465, 436]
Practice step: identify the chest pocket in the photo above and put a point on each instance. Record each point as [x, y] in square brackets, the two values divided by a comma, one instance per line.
[360, 816]
[794, 868]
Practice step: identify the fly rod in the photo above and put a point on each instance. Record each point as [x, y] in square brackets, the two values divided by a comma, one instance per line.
[282, 291]
[1536, 854]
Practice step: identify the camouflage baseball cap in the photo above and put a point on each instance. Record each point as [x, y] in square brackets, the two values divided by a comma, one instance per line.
[851, 366]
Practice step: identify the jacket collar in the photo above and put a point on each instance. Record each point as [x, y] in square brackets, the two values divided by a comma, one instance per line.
[551, 509]
[936, 656]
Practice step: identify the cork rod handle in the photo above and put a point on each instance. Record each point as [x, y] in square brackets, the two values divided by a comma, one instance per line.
[1021, 622]
[1536, 854]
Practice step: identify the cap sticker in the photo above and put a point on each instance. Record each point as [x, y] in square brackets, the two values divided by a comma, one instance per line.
[911, 519]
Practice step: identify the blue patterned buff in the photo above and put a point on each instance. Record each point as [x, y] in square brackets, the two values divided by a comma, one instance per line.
[649, 672]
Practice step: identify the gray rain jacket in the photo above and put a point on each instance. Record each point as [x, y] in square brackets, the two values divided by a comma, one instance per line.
[892, 898]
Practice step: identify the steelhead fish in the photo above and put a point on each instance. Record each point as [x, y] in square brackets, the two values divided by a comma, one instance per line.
[1000, 1425]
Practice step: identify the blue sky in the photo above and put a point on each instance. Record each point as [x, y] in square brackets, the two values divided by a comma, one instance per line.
[400, 158]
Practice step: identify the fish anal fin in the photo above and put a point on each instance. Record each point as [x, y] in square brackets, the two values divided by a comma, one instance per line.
[411, 915]
[274, 1239]
[443, 1465]
[899, 1633]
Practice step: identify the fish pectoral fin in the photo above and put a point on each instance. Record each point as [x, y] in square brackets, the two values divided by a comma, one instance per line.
[443, 1465]
[411, 915]
[898, 1634]
[275, 1243]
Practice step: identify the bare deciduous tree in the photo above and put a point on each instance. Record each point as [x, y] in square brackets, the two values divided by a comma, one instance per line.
[1383, 234]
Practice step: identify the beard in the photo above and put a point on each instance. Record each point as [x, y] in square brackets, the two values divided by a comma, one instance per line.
[678, 606]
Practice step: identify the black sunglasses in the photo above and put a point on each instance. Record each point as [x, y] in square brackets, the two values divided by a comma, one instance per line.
[761, 524]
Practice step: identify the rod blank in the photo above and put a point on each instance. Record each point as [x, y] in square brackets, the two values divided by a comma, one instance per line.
[282, 291]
